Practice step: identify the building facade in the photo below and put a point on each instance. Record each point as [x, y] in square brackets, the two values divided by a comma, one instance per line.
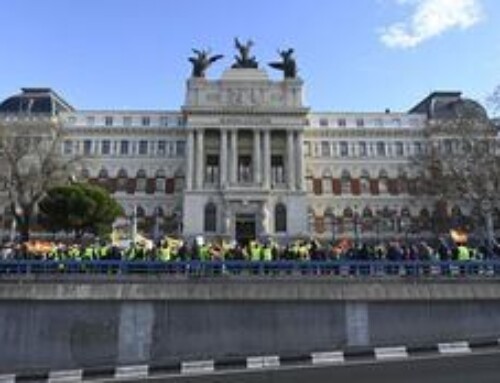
[244, 158]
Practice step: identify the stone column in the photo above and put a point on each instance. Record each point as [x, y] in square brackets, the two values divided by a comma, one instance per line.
[266, 172]
[265, 216]
[189, 163]
[300, 160]
[223, 158]
[234, 156]
[291, 160]
[199, 159]
[257, 169]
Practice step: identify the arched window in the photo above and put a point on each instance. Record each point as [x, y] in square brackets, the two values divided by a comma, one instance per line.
[367, 219]
[365, 182]
[122, 178]
[140, 212]
[141, 181]
[160, 180]
[85, 174]
[103, 178]
[103, 175]
[210, 218]
[383, 181]
[327, 180]
[345, 181]
[159, 211]
[280, 218]
[348, 213]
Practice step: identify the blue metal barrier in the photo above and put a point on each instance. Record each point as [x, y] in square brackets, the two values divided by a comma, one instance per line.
[341, 268]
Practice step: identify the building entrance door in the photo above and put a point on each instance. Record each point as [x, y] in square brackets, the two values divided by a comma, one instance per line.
[245, 228]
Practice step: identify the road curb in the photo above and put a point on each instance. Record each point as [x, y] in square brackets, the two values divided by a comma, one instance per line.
[255, 362]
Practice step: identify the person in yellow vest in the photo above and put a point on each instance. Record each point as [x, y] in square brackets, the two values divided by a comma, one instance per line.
[303, 252]
[104, 252]
[165, 253]
[204, 253]
[463, 253]
[254, 252]
[267, 253]
[88, 253]
[73, 253]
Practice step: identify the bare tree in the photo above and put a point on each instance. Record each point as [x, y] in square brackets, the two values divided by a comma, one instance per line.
[31, 163]
[461, 165]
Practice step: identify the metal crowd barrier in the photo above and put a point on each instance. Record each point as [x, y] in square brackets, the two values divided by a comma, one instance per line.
[341, 268]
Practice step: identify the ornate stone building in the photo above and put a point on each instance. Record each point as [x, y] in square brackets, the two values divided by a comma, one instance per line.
[244, 158]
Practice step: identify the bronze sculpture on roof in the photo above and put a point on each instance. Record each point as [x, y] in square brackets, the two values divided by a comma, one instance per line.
[244, 60]
[287, 63]
[201, 61]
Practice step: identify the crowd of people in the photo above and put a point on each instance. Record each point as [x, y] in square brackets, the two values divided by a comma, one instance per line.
[171, 249]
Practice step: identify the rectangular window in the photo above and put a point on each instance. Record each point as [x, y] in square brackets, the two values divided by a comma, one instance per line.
[212, 169]
[360, 122]
[90, 120]
[277, 170]
[146, 121]
[396, 122]
[162, 145]
[381, 149]
[341, 122]
[108, 121]
[417, 148]
[362, 149]
[143, 147]
[87, 147]
[307, 149]
[105, 147]
[323, 122]
[164, 121]
[325, 149]
[399, 149]
[68, 147]
[180, 148]
[317, 186]
[344, 149]
[447, 145]
[124, 147]
[378, 123]
[127, 121]
[245, 168]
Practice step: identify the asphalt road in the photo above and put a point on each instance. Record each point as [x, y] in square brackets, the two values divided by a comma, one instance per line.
[480, 368]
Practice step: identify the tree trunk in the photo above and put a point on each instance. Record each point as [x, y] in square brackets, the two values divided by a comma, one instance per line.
[24, 225]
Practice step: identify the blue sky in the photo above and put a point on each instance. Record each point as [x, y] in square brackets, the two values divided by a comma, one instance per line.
[354, 55]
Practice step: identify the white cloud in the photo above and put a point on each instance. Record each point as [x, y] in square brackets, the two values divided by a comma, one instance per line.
[430, 19]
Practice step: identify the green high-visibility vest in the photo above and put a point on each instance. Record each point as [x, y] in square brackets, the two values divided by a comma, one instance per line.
[255, 253]
[165, 254]
[268, 254]
[88, 253]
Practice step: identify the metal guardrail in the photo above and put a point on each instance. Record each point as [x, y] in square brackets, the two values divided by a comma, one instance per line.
[341, 268]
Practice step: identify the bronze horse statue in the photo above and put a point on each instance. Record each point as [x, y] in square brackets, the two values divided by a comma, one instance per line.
[201, 61]
[244, 60]
[287, 65]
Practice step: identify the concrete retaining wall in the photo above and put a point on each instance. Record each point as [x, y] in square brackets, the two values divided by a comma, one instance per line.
[80, 332]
